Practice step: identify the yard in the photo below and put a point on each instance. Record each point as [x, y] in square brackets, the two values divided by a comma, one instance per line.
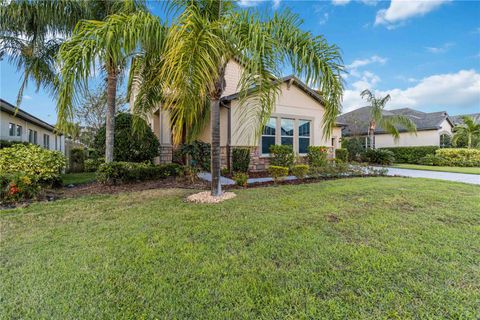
[342, 249]
[469, 170]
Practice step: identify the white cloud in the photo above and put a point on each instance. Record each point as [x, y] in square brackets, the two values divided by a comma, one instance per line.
[253, 3]
[27, 97]
[323, 18]
[441, 49]
[276, 4]
[401, 10]
[436, 92]
[340, 2]
[363, 62]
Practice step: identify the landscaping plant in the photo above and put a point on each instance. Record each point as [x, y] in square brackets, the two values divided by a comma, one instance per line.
[300, 170]
[379, 156]
[17, 186]
[277, 172]
[240, 159]
[282, 155]
[411, 154]
[77, 160]
[341, 154]
[355, 147]
[240, 179]
[198, 153]
[123, 172]
[317, 156]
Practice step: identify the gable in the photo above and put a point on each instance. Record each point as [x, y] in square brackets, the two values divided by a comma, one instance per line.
[233, 73]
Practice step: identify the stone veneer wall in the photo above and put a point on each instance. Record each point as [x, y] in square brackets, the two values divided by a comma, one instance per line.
[166, 152]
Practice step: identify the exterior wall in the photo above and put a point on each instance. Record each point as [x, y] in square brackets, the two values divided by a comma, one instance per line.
[422, 138]
[6, 119]
[233, 73]
[206, 135]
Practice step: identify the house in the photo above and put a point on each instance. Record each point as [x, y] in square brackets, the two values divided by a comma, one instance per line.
[433, 129]
[19, 125]
[458, 118]
[296, 120]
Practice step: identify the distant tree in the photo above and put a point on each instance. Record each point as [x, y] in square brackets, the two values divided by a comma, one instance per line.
[468, 132]
[387, 123]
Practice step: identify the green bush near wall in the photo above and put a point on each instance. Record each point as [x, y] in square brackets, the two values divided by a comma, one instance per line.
[240, 159]
[8, 144]
[282, 156]
[124, 172]
[317, 156]
[411, 154]
[341, 154]
[77, 160]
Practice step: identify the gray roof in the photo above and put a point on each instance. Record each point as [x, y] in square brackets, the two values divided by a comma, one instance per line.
[458, 118]
[19, 113]
[358, 120]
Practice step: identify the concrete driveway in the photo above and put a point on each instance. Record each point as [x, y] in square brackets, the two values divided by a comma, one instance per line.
[450, 176]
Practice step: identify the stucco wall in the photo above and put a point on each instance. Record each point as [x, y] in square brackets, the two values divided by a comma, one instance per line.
[6, 118]
[422, 138]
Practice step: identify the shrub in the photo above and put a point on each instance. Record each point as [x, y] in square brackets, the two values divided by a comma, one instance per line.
[341, 154]
[130, 145]
[17, 186]
[8, 143]
[191, 173]
[411, 154]
[300, 170]
[240, 179]
[77, 160]
[282, 156]
[355, 147]
[199, 153]
[39, 164]
[92, 165]
[460, 157]
[317, 156]
[330, 168]
[379, 156]
[122, 172]
[277, 172]
[433, 160]
[240, 159]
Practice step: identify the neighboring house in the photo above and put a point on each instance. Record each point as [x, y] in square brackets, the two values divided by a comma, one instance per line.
[18, 125]
[297, 120]
[433, 129]
[458, 119]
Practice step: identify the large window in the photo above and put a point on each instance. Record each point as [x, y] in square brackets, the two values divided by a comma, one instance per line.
[30, 135]
[19, 131]
[303, 136]
[288, 126]
[11, 129]
[35, 137]
[46, 141]
[268, 136]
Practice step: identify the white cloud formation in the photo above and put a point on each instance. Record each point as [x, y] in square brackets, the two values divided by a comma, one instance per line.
[442, 49]
[340, 2]
[253, 3]
[276, 4]
[323, 18]
[353, 67]
[436, 92]
[27, 97]
[401, 10]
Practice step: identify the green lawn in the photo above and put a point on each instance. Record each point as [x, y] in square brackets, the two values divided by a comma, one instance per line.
[346, 249]
[471, 170]
[78, 178]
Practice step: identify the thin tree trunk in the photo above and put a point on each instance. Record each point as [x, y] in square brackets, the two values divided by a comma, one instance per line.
[215, 163]
[110, 121]
[469, 143]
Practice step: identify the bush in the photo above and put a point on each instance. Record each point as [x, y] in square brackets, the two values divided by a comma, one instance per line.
[277, 172]
[282, 156]
[317, 156]
[8, 143]
[199, 153]
[92, 165]
[379, 156]
[240, 159]
[240, 179]
[411, 154]
[130, 145]
[433, 160]
[460, 157]
[77, 160]
[17, 186]
[341, 154]
[355, 147]
[38, 164]
[191, 173]
[123, 172]
[300, 170]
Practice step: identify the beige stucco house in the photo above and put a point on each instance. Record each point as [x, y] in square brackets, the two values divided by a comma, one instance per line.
[297, 119]
[433, 129]
[18, 125]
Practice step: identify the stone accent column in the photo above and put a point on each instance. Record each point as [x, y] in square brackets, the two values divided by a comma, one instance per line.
[166, 152]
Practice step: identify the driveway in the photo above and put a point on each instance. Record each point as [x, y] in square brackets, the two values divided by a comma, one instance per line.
[450, 176]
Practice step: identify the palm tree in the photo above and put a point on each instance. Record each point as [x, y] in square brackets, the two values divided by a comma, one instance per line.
[109, 44]
[468, 131]
[388, 123]
[205, 36]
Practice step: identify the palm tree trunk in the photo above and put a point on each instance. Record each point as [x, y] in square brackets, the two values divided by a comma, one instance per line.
[110, 121]
[215, 163]
[469, 144]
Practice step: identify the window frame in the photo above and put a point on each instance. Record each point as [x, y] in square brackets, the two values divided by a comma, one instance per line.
[35, 137]
[304, 137]
[269, 135]
[19, 131]
[12, 129]
[46, 141]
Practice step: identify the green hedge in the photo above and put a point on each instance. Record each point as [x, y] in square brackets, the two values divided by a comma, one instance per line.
[17, 186]
[341, 154]
[8, 143]
[378, 156]
[317, 156]
[460, 157]
[77, 160]
[411, 154]
[278, 172]
[240, 159]
[123, 172]
[282, 155]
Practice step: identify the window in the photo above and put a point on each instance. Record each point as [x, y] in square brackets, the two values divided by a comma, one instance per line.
[19, 131]
[287, 127]
[30, 135]
[35, 137]
[268, 135]
[11, 129]
[46, 141]
[56, 146]
[303, 136]
[445, 141]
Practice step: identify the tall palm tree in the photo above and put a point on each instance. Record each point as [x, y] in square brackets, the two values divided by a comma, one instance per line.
[205, 36]
[388, 123]
[109, 44]
[468, 131]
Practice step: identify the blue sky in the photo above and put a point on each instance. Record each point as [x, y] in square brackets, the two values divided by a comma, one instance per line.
[425, 54]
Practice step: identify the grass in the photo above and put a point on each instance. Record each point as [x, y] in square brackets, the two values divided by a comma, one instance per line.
[345, 249]
[470, 170]
[78, 178]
